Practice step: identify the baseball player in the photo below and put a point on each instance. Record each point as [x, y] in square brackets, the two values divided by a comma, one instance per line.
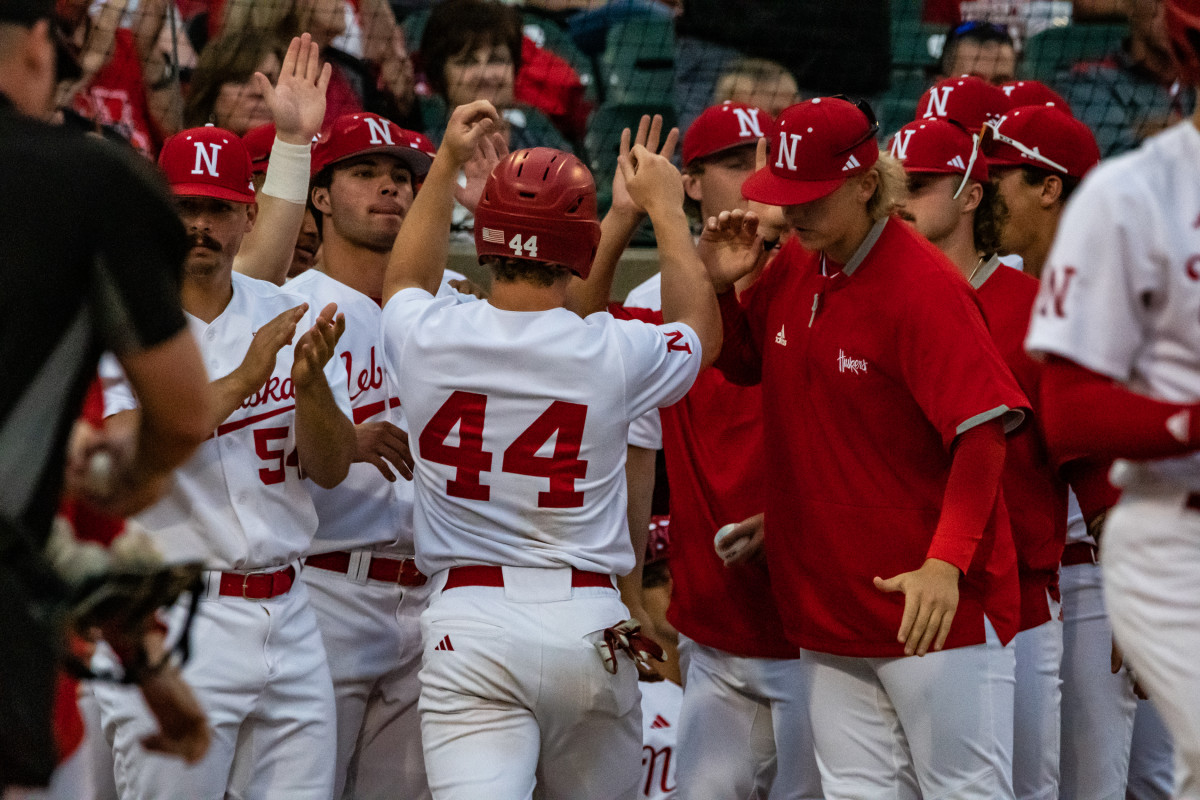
[259, 143]
[366, 589]
[258, 665]
[523, 674]
[744, 728]
[966, 100]
[886, 534]
[951, 203]
[1115, 319]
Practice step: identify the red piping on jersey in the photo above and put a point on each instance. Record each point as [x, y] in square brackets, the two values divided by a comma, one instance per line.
[364, 413]
[230, 427]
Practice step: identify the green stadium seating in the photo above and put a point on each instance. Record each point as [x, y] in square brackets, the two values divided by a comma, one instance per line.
[638, 63]
[550, 35]
[1056, 49]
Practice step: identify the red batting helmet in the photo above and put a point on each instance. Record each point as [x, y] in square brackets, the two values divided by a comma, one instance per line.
[539, 204]
[364, 133]
[1183, 28]
[207, 162]
[965, 100]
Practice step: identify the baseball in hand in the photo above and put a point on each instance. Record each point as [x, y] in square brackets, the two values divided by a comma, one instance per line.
[732, 550]
[100, 472]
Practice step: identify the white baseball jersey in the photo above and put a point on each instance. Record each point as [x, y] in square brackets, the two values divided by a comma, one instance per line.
[365, 509]
[646, 430]
[239, 502]
[1121, 292]
[661, 702]
[519, 423]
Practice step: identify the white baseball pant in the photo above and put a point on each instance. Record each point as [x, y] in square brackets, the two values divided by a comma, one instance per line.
[372, 635]
[909, 728]
[513, 691]
[1036, 709]
[1097, 706]
[737, 714]
[258, 668]
[1152, 757]
[1151, 564]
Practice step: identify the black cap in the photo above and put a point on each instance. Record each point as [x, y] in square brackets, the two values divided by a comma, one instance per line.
[26, 12]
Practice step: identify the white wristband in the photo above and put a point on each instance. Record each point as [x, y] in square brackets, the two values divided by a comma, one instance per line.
[287, 171]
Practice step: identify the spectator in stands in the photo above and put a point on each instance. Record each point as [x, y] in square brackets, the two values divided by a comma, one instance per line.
[472, 50]
[757, 82]
[223, 91]
[979, 48]
[1132, 92]
[830, 47]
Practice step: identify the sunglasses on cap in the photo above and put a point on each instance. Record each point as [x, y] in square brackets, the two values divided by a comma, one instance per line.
[872, 131]
[990, 134]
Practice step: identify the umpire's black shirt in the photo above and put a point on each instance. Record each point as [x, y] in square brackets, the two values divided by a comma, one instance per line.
[90, 255]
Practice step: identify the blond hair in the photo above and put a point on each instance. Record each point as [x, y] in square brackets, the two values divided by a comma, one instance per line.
[891, 190]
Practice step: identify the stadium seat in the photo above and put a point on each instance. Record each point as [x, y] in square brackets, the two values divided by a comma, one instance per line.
[638, 63]
[896, 107]
[603, 142]
[550, 35]
[916, 44]
[1056, 49]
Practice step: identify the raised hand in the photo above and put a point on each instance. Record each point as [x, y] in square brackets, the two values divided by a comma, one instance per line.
[468, 124]
[297, 101]
[382, 442]
[648, 133]
[651, 180]
[259, 361]
[731, 247]
[930, 602]
[491, 151]
[316, 346]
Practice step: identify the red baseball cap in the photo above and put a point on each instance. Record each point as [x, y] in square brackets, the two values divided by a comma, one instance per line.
[207, 162]
[364, 133]
[259, 141]
[966, 100]
[1034, 93]
[938, 146]
[816, 146]
[1041, 136]
[722, 127]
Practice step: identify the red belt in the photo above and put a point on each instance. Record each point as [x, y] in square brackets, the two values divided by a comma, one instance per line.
[494, 576]
[402, 571]
[1080, 553]
[257, 585]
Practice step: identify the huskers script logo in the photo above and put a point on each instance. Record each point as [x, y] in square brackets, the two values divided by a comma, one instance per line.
[856, 365]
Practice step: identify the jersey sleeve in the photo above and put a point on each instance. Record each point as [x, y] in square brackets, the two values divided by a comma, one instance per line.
[661, 363]
[646, 431]
[1100, 279]
[401, 313]
[118, 394]
[140, 247]
[950, 363]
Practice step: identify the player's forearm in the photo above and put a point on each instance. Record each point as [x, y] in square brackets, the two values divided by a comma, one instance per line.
[421, 248]
[225, 395]
[687, 291]
[266, 251]
[1089, 415]
[639, 479]
[971, 489]
[325, 438]
[592, 295]
[738, 360]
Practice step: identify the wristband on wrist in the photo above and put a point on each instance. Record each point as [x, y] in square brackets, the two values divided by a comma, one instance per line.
[288, 172]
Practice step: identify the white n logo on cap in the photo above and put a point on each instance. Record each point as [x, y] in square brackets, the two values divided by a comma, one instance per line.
[206, 158]
[786, 152]
[900, 144]
[748, 122]
[380, 133]
[938, 97]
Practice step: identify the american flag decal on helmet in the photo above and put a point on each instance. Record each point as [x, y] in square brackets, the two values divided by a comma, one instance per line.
[494, 236]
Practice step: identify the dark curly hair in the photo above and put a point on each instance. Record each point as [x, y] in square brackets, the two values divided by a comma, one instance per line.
[510, 270]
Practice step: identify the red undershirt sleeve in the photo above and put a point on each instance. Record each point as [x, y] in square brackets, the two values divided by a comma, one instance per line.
[1087, 415]
[975, 468]
[739, 360]
[1088, 477]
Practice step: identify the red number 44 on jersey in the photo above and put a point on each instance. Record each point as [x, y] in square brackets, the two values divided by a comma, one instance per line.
[563, 421]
